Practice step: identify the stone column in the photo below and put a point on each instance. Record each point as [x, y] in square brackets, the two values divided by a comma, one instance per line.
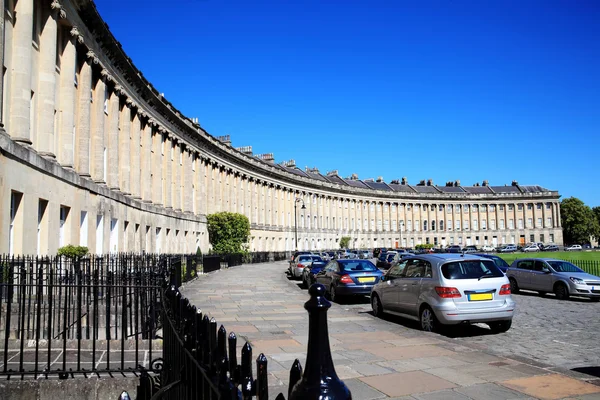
[208, 185]
[2, 49]
[124, 150]
[20, 93]
[112, 151]
[67, 104]
[83, 126]
[188, 185]
[168, 172]
[46, 87]
[134, 173]
[97, 170]
[202, 183]
[558, 222]
[146, 163]
[156, 167]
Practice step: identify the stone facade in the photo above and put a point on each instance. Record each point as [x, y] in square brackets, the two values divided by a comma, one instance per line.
[92, 154]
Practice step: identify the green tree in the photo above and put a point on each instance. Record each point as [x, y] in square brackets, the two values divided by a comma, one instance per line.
[228, 232]
[345, 242]
[72, 252]
[578, 221]
[596, 211]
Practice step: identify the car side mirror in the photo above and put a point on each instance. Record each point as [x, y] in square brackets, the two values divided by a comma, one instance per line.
[546, 270]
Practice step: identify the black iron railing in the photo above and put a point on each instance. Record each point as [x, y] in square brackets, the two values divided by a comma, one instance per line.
[200, 362]
[62, 316]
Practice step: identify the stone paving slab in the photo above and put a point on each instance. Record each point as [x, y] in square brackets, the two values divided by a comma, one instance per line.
[376, 358]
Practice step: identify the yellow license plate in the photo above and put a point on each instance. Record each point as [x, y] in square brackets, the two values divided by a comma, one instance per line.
[480, 296]
[369, 279]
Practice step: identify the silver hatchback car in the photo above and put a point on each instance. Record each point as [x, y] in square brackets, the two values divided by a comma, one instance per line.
[446, 289]
[546, 275]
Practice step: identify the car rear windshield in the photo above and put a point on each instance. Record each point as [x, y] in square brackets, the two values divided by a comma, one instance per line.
[563, 266]
[356, 266]
[304, 258]
[471, 269]
[390, 257]
[317, 259]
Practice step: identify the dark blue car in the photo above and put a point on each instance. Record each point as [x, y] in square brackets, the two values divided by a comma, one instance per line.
[309, 272]
[499, 261]
[348, 278]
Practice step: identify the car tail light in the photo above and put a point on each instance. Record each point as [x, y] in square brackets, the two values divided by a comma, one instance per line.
[346, 279]
[447, 292]
[300, 266]
[505, 289]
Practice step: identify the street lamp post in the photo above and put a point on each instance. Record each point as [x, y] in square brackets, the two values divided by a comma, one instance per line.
[296, 200]
[401, 229]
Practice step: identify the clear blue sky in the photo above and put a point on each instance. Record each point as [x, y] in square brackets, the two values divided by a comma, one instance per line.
[469, 90]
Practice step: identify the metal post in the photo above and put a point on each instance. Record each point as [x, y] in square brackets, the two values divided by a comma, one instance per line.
[295, 226]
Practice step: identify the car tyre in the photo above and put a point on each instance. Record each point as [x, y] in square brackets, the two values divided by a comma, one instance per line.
[333, 296]
[514, 286]
[500, 326]
[561, 291]
[376, 306]
[595, 299]
[429, 322]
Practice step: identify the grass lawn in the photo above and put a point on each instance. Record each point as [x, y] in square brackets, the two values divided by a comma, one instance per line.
[588, 261]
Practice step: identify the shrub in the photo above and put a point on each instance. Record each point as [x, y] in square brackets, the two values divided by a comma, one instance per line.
[425, 246]
[228, 232]
[345, 242]
[71, 251]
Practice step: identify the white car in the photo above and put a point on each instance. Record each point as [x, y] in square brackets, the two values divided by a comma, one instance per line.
[573, 247]
[530, 248]
[487, 247]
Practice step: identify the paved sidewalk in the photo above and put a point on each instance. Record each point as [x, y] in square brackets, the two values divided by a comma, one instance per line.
[377, 359]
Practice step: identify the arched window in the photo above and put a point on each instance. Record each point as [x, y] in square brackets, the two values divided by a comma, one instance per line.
[433, 225]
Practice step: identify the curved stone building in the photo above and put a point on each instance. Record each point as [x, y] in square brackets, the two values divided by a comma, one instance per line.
[92, 154]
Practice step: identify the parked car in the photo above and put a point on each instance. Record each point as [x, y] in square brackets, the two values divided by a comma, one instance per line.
[348, 278]
[453, 249]
[551, 247]
[364, 254]
[487, 247]
[532, 248]
[378, 250]
[508, 248]
[388, 259]
[470, 249]
[574, 247]
[499, 261]
[303, 261]
[309, 272]
[546, 275]
[294, 258]
[446, 289]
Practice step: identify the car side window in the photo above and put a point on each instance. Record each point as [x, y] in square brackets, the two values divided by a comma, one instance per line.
[539, 266]
[527, 264]
[415, 269]
[427, 270]
[397, 271]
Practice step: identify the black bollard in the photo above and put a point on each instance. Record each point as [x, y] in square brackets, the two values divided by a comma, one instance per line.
[319, 380]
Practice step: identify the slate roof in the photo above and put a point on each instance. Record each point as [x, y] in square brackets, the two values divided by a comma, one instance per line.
[505, 189]
[401, 188]
[378, 185]
[451, 189]
[356, 183]
[425, 189]
[477, 189]
[336, 179]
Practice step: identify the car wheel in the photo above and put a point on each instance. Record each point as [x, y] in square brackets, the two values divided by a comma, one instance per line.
[595, 299]
[429, 322]
[376, 306]
[561, 291]
[336, 298]
[514, 286]
[500, 326]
